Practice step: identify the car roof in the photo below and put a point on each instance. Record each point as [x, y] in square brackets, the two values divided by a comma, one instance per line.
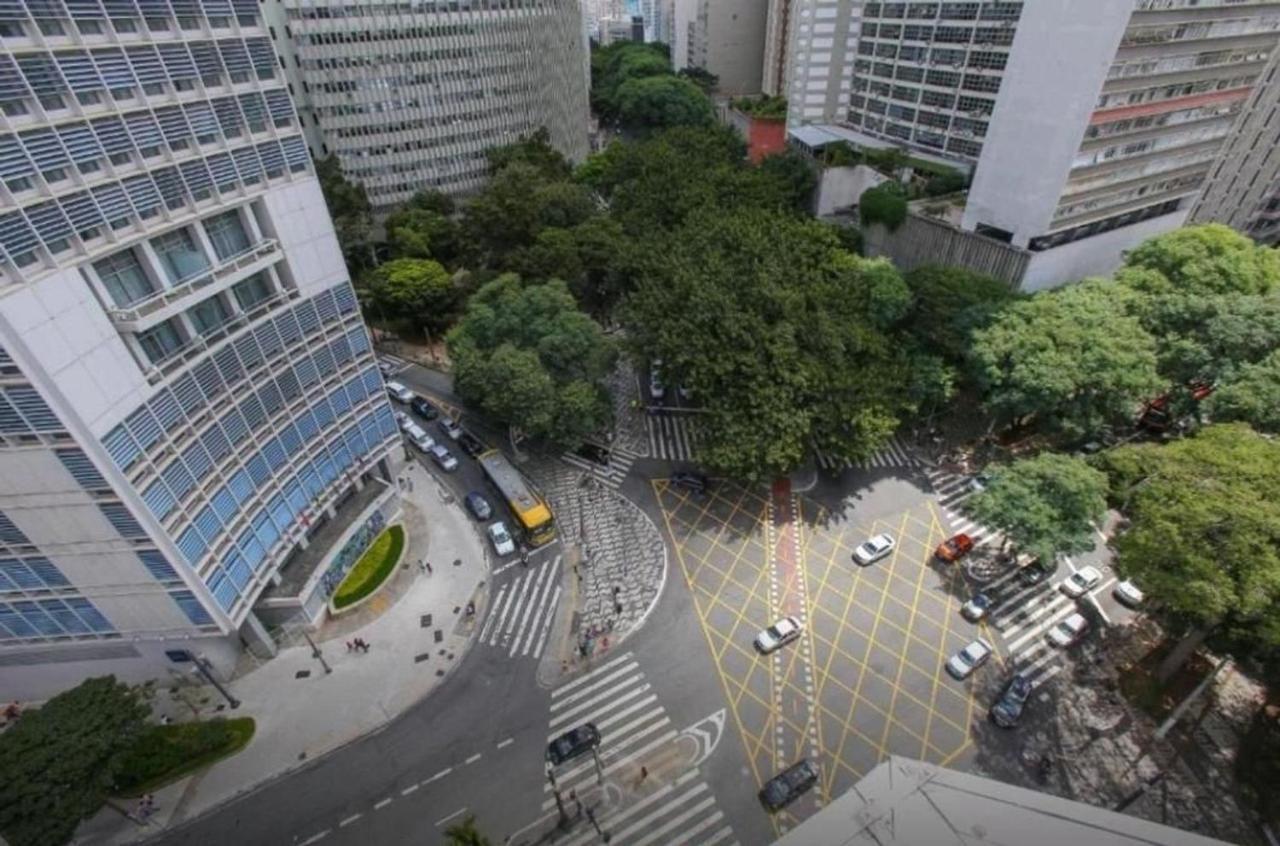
[396, 386]
[1089, 572]
[1075, 621]
[881, 539]
[476, 496]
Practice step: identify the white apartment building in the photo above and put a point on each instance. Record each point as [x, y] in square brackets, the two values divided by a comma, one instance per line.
[723, 37]
[810, 48]
[190, 410]
[411, 95]
[1087, 132]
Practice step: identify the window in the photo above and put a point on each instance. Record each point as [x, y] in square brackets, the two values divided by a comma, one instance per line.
[122, 520]
[161, 341]
[252, 291]
[228, 235]
[180, 256]
[124, 278]
[209, 315]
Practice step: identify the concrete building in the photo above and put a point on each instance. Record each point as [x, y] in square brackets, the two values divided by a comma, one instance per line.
[1088, 133]
[910, 803]
[723, 37]
[809, 56]
[1243, 191]
[188, 398]
[411, 96]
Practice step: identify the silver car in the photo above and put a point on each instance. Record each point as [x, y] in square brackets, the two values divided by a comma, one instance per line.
[501, 539]
[1068, 631]
[963, 663]
[1081, 582]
[873, 549]
[778, 635]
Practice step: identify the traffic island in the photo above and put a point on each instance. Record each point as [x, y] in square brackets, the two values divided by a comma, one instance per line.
[371, 572]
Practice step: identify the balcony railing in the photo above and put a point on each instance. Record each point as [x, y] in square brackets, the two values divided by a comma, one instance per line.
[194, 282]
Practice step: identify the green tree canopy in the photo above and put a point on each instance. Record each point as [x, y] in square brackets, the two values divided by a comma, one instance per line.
[1071, 357]
[418, 292]
[1203, 540]
[1198, 260]
[527, 356]
[517, 204]
[414, 232]
[949, 303]
[793, 177]
[552, 255]
[1045, 505]
[1251, 393]
[465, 833]
[352, 215]
[662, 101]
[58, 763]
[534, 150]
[885, 204]
[701, 77]
[780, 334]
[614, 65]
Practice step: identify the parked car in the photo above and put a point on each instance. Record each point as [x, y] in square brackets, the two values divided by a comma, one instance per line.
[501, 539]
[692, 482]
[788, 785]
[403, 420]
[1127, 593]
[1007, 710]
[386, 368]
[423, 408]
[450, 427]
[1068, 631]
[419, 437]
[1081, 582]
[975, 609]
[954, 548]
[573, 743]
[470, 444]
[963, 663]
[595, 453]
[1033, 572]
[444, 458]
[478, 506]
[979, 483]
[873, 549]
[399, 392]
[656, 389]
[778, 635]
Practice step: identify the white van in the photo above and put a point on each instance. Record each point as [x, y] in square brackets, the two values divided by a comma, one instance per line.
[399, 392]
[419, 437]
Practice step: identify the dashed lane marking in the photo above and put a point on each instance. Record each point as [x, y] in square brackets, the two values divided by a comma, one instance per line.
[472, 759]
[408, 790]
[313, 838]
[439, 775]
[349, 820]
[456, 813]
[378, 806]
[504, 743]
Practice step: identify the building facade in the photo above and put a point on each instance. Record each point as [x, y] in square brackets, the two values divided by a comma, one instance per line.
[1087, 132]
[187, 390]
[410, 96]
[815, 68]
[723, 37]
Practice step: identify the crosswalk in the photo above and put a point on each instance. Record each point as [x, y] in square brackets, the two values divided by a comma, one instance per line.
[1022, 617]
[620, 461]
[894, 454]
[672, 436]
[672, 804]
[523, 611]
[952, 490]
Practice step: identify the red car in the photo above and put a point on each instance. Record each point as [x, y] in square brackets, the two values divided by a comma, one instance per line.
[953, 549]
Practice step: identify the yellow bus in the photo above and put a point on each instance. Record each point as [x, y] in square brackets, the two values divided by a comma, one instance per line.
[531, 511]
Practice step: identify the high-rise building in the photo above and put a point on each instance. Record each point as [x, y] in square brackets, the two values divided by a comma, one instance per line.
[1087, 132]
[810, 48]
[189, 405]
[410, 96]
[723, 37]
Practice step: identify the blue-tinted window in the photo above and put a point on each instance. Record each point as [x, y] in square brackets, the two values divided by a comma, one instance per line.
[266, 530]
[159, 500]
[91, 615]
[15, 622]
[234, 425]
[198, 460]
[33, 408]
[306, 424]
[274, 453]
[193, 545]
[253, 412]
[192, 607]
[208, 524]
[259, 470]
[280, 511]
[296, 495]
[39, 620]
[178, 478]
[46, 571]
[64, 616]
[158, 565]
[224, 591]
[251, 547]
[216, 442]
[82, 469]
[224, 505]
[123, 521]
[290, 440]
[11, 534]
[311, 481]
[122, 447]
[20, 575]
[241, 486]
[238, 569]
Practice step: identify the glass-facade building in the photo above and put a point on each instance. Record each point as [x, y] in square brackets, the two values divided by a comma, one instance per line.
[186, 386]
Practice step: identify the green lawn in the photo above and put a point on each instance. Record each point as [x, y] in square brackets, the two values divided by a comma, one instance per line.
[167, 753]
[372, 569]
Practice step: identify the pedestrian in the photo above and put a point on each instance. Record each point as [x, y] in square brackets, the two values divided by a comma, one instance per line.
[617, 608]
[422, 565]
[616, 591]
[644, 773]
[351, 647]
[364, 644]
[429, 570]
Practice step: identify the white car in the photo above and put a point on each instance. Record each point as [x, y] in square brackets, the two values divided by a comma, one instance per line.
[1127, 593]
[418, 436]
[450, 427]
[501, 539]
[873, 549]
[778, 635]
[399, 392]
[1068, 631]
[444, 458]
[1081, 582]
[973, 656]
[656, 389]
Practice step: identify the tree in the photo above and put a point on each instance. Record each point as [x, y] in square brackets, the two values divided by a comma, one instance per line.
[527, 356]
[1251, 394]
[552, 255]
[351, 212]
[662, 101]
[58, 763]
[465, 833]
[415, 232]
[793, 177]
[779, 333]
[1203, 539]
[419, 292]
[949, 303]
[1071, 357]
[534, 150]
[1046, 505]
[885, 204]
[1199, 260]
[608, 261]
[701, 77]
[514, 207]
[614, 65]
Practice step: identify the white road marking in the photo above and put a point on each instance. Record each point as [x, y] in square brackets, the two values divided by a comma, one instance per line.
[378, 806]
[1060, 614]
[581, 680]
[510, 624]
[586, 707]
[505, 743]
[542, 609]
[456, 813]
[1093, 597]
[408, 790]
[546, 626]
[313, 838]
[472, 759]
[598, 683]
[493, 615]
[1050, 673]
[349, 820]
[439, 775]
[541, 581]
[623, 814]
[662, 830]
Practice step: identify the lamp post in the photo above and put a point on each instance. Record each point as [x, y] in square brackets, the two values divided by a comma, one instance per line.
[200, 662]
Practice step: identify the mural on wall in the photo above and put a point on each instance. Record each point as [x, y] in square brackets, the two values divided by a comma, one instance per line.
[351, 551]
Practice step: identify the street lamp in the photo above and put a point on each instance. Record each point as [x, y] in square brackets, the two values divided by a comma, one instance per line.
[200, 662]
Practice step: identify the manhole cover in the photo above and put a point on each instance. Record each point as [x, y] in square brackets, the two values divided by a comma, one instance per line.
[302, 674]
[457, 562]
[418, 659]
[425, 621]
[439, 635]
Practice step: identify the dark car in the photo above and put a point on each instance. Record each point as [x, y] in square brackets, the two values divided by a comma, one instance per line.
[478, 506]
[594, 453]
[1034, 573]
[1007, 710]
[692, 482]
[573, 743]
[471, 445]
[786, 786]
[424, 409]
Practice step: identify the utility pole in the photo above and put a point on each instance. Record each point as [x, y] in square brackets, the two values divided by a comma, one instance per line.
[315, 653]
[204, 671]
[563, 820]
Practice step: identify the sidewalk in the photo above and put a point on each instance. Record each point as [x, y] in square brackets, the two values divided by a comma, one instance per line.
[417, 634]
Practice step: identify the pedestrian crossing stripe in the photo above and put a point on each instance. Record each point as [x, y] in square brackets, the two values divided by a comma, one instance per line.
[894, 454]
[523, 611]
[673, 437]
[620, 461]
[634, 729]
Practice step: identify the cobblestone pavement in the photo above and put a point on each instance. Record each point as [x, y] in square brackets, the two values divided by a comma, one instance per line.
[623, 549]
[631, 431]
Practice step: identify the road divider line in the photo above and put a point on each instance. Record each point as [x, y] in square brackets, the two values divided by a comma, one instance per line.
[313, 838]
[439, 775]
[456, 813]
[378, 806]
[472, 759]
[505, 743]
[349, 820]
[408, 790]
